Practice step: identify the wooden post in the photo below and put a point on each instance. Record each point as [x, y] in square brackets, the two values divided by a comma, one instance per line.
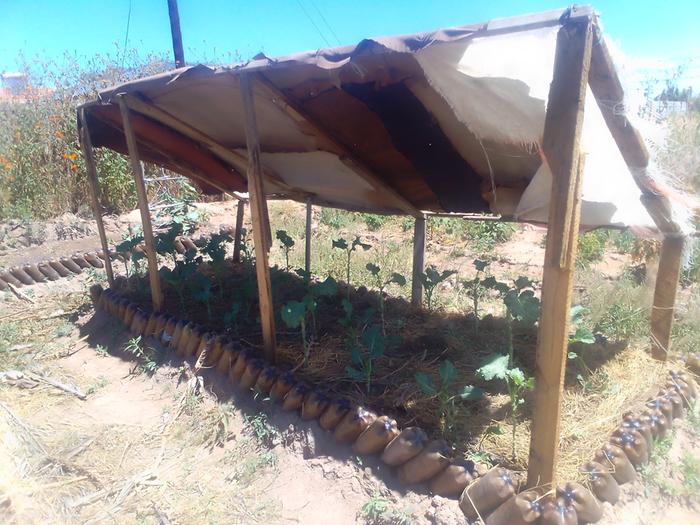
[137, 169]
[307, 239]
[176, 33]
[418, 261]
[664, 305]
[562, 132]
[261, 222]
[89, 155]
[240, 211]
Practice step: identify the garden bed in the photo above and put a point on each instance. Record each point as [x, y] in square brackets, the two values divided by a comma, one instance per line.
[416, 344]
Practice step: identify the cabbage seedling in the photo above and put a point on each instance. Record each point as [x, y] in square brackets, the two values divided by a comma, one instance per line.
[287, 243]
[381, 283]
[476, 289]
[430, 279]
[363, 354]
[342, 244]
[446, 395]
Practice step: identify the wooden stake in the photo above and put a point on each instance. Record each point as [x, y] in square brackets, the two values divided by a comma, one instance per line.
[562, 133]
[240, 211]
[89, 155]
[665, 291]
[307, 239]
[137, 170]
[261, 222]
[418, 261]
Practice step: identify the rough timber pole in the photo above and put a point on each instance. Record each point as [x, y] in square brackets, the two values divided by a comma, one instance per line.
[665, 296]
[136, 168]
[261, 222]
[89, 154]
[240, 211]
[562, 132]
[176, 33]
[307, 239]
[418, 261]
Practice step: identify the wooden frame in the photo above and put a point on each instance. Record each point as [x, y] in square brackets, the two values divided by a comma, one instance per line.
[307, 238]
[665, 291]
[562, 133]
[261, 222]
[89, 155]
[137, 170]
[418, 261]
[238, 232]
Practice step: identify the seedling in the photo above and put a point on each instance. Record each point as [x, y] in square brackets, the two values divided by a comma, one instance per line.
[499, 367]
[363, 354]
[430, 279]
[287, 243]
[342, 244]
[477, 289]
[581, 335]
[381, 283]
[126, 249]
[215, 248]
[446, 395]
[165, 241]
[144, 355]
[295, 314]
[200, 287]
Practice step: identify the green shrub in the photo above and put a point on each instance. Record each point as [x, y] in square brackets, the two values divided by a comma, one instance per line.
[591, 248]
[336, 218]
[482, 235]
[375, 222]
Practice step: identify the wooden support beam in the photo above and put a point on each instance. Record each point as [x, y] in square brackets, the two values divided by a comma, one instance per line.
[240, 211]
[418, 261]
[137, 169]
[307, 238]
[562, 133]
[261, 222]
[295, 111]
[89, 155]
[664, 306]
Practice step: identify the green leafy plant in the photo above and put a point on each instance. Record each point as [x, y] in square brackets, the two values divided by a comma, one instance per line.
[381, 511]
[476, 289]
[446, 394]
[381, 283]
[500, 367]
[295, 314]
[215, 248]
[369, 348]
[591, 248]
[349, 248]
[129, 252]
[165, 241]
[287, 243]
[430, 279]
[147, 358]
[582, 335]
[200, 287]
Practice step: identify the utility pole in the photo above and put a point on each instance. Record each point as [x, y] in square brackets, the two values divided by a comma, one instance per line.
[177, 35]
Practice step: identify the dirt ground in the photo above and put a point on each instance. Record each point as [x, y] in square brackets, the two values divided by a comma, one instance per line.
[145, 448]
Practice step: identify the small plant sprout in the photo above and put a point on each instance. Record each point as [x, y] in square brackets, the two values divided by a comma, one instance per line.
[287, 243]
[295, 313]
[476, 289]
[430, 280]
[582, 336]
[446, 394]
[381, 283]
[144, 355]
[342, 244]
[497, 367]
[215, 248]
[363, 354]
[127, 249]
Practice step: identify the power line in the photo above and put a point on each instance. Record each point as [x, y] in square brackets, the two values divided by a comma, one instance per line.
[325, 21]
[313, 23]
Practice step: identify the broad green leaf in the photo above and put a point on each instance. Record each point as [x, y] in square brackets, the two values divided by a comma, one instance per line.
[341, 244]
[577, 313]
[326, 288]
[426, 384]
[358, 242]
[373, 269]
[354, 374]
[571, 355]
[355, 355]
[448, 373]
[583, 335]
[517, 376]
[397, 278]
[284, 238]
[292, 313]
[470, 393]
[496, 367]
[480, 265]
[373, 341]
[138, 256]
[522, 282]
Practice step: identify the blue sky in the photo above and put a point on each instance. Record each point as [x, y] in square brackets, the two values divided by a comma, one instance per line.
[655, 35]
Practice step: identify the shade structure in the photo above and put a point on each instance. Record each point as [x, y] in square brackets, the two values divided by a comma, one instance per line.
[447, 121]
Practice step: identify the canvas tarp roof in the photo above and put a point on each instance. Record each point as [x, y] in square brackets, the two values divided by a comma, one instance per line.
[447, 121]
